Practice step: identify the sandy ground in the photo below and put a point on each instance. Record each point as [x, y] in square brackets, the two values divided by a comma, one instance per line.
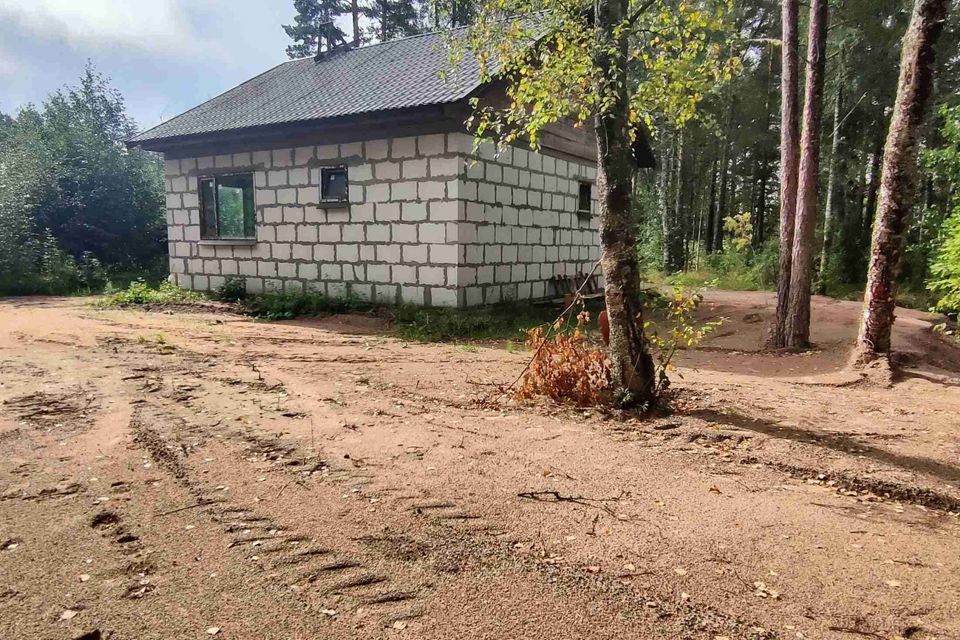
[193, 475]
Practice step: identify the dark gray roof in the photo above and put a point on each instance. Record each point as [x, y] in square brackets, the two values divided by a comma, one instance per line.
[391, 75]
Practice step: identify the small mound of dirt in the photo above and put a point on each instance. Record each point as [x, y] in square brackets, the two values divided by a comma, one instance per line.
[104, 519]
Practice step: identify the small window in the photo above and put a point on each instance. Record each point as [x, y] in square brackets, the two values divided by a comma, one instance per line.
[333, 184]
[226, 207]
[584, 199]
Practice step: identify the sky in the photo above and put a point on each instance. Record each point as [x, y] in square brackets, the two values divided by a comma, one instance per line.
[164, 56]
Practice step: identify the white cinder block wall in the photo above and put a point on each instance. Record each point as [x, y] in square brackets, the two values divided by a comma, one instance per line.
[521, 226]
[429, 222]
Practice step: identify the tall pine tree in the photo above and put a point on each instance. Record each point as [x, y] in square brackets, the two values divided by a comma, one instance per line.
[306, 30]
[393, 19]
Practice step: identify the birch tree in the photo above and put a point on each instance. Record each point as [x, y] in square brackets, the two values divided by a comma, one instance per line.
[615, 65]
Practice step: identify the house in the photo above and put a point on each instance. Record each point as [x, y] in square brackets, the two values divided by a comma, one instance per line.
[353, 173]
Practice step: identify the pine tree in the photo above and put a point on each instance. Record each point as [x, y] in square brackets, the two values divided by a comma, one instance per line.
[798, 307]
[306, 32]
[789, 164]
[393, 19]
[898, 182]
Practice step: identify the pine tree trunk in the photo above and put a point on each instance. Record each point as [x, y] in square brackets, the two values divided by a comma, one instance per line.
[873, 188]
[798, 307]
[898, 181]
[789, 161]
[631, 365]
[829, 211]
[355, 14]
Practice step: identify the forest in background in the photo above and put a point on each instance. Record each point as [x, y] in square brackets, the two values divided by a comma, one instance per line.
[712, 212]
[77, 209]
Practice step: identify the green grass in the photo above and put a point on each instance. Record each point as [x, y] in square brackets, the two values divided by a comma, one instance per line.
[283, 306]
[507, 321]
[139, 293]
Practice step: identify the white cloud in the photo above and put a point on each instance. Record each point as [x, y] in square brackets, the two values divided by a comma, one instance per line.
[7, 66]
[145, 24]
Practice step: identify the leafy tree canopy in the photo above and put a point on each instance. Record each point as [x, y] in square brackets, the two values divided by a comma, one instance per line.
[679, 52]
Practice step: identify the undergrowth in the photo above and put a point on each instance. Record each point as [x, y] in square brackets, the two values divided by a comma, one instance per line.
[567, 366]
[139, 292]
[507, 321]
[284, 306]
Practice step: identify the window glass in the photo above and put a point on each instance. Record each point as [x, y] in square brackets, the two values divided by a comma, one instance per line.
[208, 209]
[227, 207]
[583, 203]
[333, 183]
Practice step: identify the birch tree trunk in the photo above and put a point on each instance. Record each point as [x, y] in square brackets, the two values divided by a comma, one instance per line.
[829, 211]
[898, 180]
[675, 253]
[724, 195]
[712, 210]
[630, 362]
[789, 161]
[664, 181]
[798, 307]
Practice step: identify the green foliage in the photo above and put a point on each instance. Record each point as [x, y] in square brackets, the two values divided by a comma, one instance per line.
[392, 19]
[232, 290]
[746, 269]
[75, 204]
[305, 30]
[649, 229]
[739, 228]
[678, 330]
[550, 51]
[140, 293]
[283, 306]
[422, 324]
[944, 162]
[945, 270]
[503, 321]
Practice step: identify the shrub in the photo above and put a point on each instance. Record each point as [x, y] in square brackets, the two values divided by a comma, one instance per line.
[945, 270]
[139, 292]
[232, 290]
[677, 331]
[283, 306]
[508, 320]
[565, 366]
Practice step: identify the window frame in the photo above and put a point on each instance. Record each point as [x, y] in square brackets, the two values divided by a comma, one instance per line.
[589, 185]
[215, 178]
[324, 171]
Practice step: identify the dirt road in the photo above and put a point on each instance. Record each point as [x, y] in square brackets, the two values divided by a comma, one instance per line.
[193, 475]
